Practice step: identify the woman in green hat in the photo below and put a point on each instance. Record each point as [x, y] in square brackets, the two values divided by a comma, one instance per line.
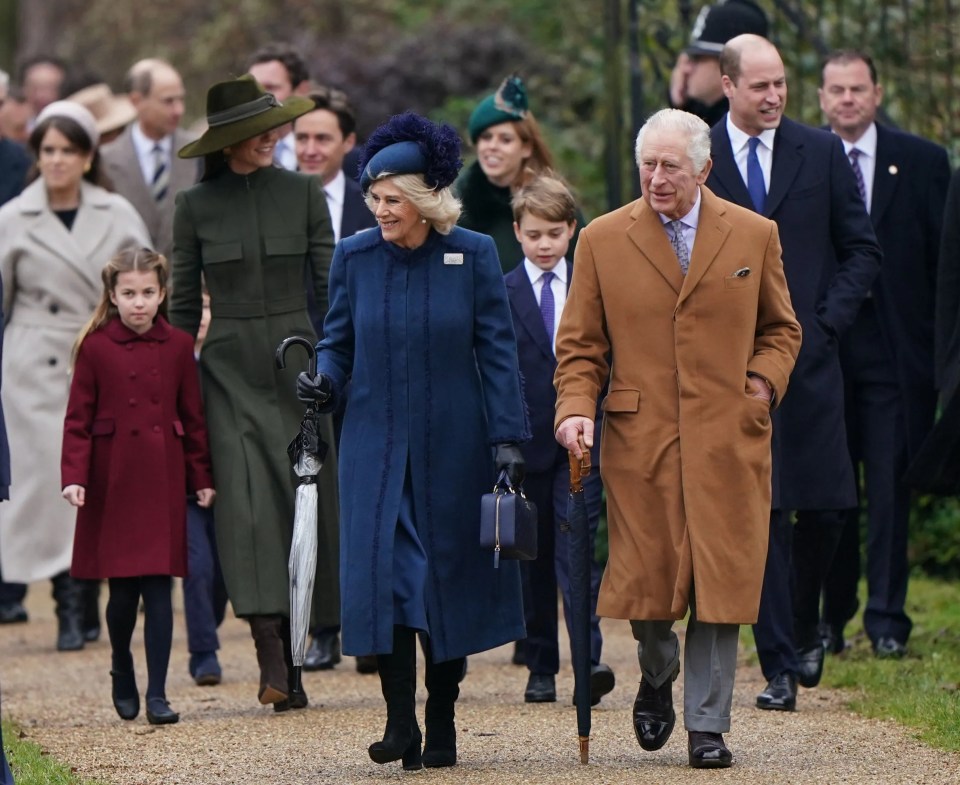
[510, 151]
[254, 234]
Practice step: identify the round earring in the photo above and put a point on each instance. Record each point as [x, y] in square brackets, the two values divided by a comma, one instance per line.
[86, 167]
[423, 220]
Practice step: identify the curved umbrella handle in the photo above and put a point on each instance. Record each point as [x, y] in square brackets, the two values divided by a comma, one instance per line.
[299, 340]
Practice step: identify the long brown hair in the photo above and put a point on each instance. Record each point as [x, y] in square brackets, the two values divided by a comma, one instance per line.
[540, 160]
[141, 260]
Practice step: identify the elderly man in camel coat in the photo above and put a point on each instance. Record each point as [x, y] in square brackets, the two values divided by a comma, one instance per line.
[679, 301]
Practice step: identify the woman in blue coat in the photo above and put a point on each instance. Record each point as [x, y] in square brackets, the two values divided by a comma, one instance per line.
[420, 326]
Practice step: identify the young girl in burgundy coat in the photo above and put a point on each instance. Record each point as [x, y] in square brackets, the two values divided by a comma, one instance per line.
[134, 444]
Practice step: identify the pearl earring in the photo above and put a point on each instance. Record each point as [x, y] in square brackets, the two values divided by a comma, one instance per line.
[423, 220]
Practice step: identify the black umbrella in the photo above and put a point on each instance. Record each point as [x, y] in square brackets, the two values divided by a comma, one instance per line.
[936, 466]
[307, 452]
[577, 530]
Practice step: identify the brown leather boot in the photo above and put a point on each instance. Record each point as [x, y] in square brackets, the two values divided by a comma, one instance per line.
[266, 632]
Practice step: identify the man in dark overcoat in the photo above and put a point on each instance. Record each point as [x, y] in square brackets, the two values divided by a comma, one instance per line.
[798, 177]
[887, 354]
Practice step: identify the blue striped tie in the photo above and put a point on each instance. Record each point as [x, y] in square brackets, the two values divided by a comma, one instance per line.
[547, 304]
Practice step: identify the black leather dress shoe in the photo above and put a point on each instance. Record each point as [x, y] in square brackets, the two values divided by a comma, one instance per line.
[810, 661]
[126, 698]
[541, 688]
[833, 640]
[602, 682]
[12, 613]
[707, 751]
[889, 649]
[323, 652]
[160, 713]
[653, 714]
[519, 656]
[780, 694]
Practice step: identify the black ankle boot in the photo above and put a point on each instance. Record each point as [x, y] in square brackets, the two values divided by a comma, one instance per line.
[69, 596]
[398, 682]
[443, 689]
[296, 695]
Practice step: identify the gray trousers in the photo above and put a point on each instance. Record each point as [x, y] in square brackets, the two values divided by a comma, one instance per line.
[709, 666]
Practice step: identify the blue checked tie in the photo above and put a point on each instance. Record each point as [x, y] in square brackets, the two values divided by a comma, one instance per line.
[854, 156]
[755, 185]
[161, 174]
[547, 304]
[680, 245]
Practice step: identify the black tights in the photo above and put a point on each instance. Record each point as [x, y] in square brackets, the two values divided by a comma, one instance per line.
[122, 608]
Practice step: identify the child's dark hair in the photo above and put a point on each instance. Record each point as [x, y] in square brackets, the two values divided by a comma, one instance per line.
[128, 260]
[547, 197]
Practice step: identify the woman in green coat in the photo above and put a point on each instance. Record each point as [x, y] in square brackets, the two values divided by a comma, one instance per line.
[254, 234]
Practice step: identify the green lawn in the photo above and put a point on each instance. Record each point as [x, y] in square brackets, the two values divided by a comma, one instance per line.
[921, 691]
[31, 765]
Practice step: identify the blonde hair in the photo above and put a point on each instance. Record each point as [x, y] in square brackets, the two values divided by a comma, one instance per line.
[125, 261]
[438, 206]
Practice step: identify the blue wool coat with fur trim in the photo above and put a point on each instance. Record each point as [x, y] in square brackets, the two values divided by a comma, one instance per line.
[426, 339]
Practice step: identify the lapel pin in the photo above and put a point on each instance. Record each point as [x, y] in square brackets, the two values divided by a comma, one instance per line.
[893, 169]
[453, 258]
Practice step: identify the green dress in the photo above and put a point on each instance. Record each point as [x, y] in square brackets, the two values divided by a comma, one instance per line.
[256, 240]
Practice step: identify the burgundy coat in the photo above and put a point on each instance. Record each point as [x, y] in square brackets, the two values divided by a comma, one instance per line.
[135, 438]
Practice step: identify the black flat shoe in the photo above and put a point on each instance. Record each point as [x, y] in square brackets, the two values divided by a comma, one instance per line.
[160, 713]
[323, 653]
[707, 751]
[126, 698]
[810, 662]
[541, 688]
[653, 714]
[780, 694]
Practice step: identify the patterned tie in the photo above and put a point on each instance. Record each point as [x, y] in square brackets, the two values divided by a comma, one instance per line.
[854, 156]
[755, 184]
[161, 174]
[680, 245]
[547, 304]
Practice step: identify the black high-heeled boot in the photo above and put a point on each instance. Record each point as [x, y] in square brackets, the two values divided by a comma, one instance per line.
[68, 593]
[443, 689]
[398, 682]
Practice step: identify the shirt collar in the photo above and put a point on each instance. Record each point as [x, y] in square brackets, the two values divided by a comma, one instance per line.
[739, 139]
[336, 188]
[144, 145]
[534, 273]
[691, 219]
[866, 144]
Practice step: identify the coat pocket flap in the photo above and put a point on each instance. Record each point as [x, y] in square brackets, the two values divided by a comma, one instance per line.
[178, 427]
[622, 401]
[292, 245]
[213, 253]
[102, 428]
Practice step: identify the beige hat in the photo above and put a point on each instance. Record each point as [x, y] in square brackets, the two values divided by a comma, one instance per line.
[112, 112]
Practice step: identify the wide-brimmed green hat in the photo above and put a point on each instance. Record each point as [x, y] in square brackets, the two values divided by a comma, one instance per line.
[240, 109]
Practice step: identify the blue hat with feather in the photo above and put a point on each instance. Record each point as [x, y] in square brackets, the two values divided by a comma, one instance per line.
[411, 144]
[506, 105]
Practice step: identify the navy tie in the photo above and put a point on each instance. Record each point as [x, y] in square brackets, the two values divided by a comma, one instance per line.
[758, 191]
[547, 304]
[854, 155]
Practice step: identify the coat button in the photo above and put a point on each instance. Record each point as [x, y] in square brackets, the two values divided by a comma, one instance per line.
[133, 374]
[52, 361]
[156, 429]
[134, 431]
[129, 347]
[155, 399]
[133, 401]
[155, 372]
[54, 308]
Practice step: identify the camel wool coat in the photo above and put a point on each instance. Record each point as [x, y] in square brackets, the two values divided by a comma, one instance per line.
[685, 449]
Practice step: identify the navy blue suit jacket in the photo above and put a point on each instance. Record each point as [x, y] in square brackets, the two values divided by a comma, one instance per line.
[830, 257]
[909, 192]
[356, 214]
[14, 165]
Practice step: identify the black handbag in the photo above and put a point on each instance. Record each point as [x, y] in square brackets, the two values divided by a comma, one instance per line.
[508, 522]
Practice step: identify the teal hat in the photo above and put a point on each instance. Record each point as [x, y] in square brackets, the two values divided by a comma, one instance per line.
[506, 105]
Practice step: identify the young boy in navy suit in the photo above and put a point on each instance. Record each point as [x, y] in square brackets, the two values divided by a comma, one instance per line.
[544, 214]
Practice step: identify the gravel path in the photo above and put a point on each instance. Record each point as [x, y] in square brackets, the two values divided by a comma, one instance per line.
[62, 701]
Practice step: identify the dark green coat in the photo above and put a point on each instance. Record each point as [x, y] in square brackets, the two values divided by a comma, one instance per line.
[254, 239]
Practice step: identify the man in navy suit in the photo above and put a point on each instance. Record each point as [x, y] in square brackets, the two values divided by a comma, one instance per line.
[887, 354]
[800, 178]
[322, 139]
[545, 218]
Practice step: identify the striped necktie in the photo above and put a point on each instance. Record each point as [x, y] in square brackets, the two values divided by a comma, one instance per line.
[854, 156]
[161, 174]
[680, 245]
[547, 304]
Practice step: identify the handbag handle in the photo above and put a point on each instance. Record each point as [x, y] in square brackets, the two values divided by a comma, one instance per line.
[503, 484]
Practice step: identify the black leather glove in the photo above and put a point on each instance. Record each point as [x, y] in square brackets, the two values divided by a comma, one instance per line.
[509, 459]
[317, 389]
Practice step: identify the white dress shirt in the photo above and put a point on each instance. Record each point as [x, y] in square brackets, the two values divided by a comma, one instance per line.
[285, 153]
[688, 225]
[867, 145]
[558, 286]
[143, 146]
[335, 191]
[739, 144]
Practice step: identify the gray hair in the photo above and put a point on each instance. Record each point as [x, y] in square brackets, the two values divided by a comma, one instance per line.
[680, 122]
[437, 205]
